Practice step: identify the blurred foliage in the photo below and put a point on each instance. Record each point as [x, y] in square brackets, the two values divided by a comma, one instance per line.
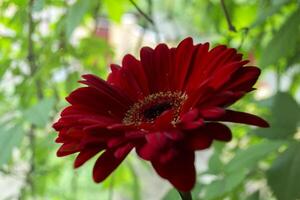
[41, 61]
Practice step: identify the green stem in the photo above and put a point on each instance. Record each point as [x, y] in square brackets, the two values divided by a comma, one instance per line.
[185, 195]
[228, 19]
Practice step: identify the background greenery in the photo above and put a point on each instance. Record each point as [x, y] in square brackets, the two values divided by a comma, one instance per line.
[257, 164]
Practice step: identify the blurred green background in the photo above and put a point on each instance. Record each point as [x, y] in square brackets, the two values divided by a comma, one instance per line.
[45, 45]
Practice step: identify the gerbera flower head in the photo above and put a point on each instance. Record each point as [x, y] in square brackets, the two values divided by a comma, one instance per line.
[166, 106]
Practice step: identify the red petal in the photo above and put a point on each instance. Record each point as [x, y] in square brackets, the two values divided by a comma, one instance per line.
[164, 120]
[162, 67]
[168, 156]
[189, 116]
[86, 154]
[147, 60]
[218, 131]
[212, 112]
[124, 79]
[182, 62]
[156, 143]
[157, 140]
[174, 134]
[243, 79]
[244, 118]
[221, 99]
[67, 149]
[115, 141]
[189, 120]
[192, 124]
[180, 171]
[106, 164]
[92, 98]
[124, 150]
[199, 139]
[134, 66]
[106, 90]
[194, 80]
[219, 78]
[220, 57]
[147, 152]
[134, 134]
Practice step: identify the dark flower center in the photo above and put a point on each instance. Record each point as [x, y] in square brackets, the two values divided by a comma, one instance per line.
[153, 105]
[156, 110]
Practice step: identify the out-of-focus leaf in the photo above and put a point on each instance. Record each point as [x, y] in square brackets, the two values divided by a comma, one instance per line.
[266, 13]
[295, 84]
[136, 187]
[221, 187]
[39, 113]
[115, 9]
[75, 15]
[284, 175]
[254, 196]
[215, 165]
[250, 156]
[38, 5]
[172, 194]
[4, 66]
[71, 82]
[10, 137]
[284, 42]
[94, 53]
[121, 177]
[285, 118]
[197, 190]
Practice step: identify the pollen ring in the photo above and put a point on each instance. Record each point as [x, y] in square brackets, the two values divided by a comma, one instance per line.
[153, 105]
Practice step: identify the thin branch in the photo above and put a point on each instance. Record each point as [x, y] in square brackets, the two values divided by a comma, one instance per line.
[31, 56]
[32, 143]
[146, 16]
[230, 25]
[244, 35]
[150, 12]
[96, 13]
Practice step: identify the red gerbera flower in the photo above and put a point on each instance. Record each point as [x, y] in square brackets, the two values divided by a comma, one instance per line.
[166, 105]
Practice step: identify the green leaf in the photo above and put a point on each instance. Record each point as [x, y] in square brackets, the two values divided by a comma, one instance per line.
[266, 13]
[215, 165]
[284, 42]
[10, 137]
[284, 175]
[221, 187]
[172, 194]
[249, 157]
[39, 113]
[284, 119]
[115, 9]
[38, 5]
[75, 15]
[136, 187]
[295, 83]
[254, 196]
[197, 190]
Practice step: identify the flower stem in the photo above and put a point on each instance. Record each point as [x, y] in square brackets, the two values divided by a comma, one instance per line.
[185, 195]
